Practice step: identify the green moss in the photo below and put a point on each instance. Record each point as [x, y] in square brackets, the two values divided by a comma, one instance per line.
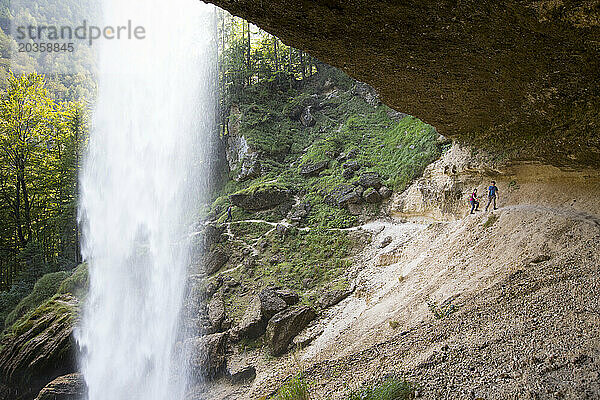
[77, 284]
[44, 288]
[249, 230]
[59, 306]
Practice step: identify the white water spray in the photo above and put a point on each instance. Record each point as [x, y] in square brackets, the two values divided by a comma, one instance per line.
[139, 192]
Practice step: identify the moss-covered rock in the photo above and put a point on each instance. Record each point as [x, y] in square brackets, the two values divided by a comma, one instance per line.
[39, 346]
[77, 284]
[44, 288]
[261, 197]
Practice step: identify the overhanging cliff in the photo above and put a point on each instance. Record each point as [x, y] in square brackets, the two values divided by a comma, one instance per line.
[520, 77]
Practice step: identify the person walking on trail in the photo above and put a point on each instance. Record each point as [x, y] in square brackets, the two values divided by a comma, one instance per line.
[474, 201]
[492, 195]
[229, 216]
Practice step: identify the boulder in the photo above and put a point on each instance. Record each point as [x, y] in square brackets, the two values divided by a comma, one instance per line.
[385, 242]
[66, 387]
[347, 174]
[313, 168]
[241, 374]
[370, 180]
[282, 229]
[215, 260]
[385, 192]
[371, 196]
[252, 324]
[288, 295]
[261, 198]
[299, 212]
[332, 297]
[285, 325]
[342, 195]
[216, 312]
[211, 235]
[351, 165]
[39, 346]
[207, 354]
[270, 303]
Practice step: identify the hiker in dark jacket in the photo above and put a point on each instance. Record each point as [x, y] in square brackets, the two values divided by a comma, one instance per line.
[474, 201]
[492, 195]
[229, 216]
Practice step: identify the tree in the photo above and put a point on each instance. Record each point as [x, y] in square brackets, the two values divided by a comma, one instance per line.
[39, 157]
[26, 133]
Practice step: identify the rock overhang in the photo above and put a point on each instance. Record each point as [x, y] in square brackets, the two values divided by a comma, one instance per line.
[517, 77]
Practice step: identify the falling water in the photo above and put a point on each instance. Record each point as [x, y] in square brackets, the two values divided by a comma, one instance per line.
[142, 181]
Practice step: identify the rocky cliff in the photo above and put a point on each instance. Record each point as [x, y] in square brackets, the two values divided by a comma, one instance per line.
[520, 77]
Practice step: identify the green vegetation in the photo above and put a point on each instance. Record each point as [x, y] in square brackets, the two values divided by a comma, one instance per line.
[44, 288]
[391, 388]
[70, 283]
[296, 389]
[76, 283]
[40, 142]
[55, 306]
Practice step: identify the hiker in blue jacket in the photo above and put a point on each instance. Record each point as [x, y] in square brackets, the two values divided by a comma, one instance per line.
[492, 195]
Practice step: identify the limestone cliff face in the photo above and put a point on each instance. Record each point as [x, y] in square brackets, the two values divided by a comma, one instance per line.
[520, 77]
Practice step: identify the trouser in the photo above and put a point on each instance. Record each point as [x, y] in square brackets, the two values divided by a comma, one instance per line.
[474, 205]
[490, 199]
[229, 218]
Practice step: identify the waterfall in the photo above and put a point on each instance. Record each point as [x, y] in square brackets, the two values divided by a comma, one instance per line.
[142, 182]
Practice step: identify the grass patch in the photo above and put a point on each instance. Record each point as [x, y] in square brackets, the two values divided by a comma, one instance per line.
[296, 389]
[390, 388]
[249, 230]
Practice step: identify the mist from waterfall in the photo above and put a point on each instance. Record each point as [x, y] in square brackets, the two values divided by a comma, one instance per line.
[144, 176]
